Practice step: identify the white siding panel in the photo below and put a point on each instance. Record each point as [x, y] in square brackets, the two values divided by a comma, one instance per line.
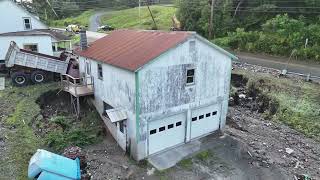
[44, 43]
[117, 88]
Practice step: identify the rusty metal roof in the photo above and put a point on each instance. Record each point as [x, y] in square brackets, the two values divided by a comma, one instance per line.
[131, 49]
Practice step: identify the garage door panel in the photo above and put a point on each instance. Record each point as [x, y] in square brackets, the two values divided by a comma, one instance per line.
[166, 133]
[205, 120]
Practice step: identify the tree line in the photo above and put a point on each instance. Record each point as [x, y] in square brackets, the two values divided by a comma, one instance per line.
[248, 14]
[286, 27]
[58, 9]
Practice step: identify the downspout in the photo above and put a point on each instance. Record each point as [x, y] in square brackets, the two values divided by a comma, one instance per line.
[137, 106]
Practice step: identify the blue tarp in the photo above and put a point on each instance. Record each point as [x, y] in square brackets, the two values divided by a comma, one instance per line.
[45, 165]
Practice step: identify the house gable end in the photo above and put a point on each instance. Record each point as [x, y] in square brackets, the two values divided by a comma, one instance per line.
[195, 36]
[16, 14]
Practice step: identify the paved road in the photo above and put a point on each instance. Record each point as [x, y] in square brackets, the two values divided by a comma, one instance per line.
[280, 63]
[92, 36]
[95, 21]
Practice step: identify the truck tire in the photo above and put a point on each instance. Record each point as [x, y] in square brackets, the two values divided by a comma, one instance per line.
[38, 77]
[19, 79]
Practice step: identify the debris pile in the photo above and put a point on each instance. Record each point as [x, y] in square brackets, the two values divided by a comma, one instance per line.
[270, 143]
[257, 69]
[74, 152]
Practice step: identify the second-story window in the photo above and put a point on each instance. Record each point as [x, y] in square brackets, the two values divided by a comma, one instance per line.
[27, 23]
[100, 72]
[190, 76]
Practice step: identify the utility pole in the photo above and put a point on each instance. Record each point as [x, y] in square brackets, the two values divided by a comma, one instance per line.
[140, 12]
[52, 8]
[154, 22]
[210, 20]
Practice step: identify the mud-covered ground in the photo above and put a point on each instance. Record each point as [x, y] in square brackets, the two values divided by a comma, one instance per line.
[268, 143]
[252, 148]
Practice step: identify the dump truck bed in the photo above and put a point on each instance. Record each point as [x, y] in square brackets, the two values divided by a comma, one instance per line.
[17, 56]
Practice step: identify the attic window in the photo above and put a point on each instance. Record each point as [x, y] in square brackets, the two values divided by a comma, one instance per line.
[27, 23]
[190, 76]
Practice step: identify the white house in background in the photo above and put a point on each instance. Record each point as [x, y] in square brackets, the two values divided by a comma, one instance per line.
[18, 25]
[157, 90]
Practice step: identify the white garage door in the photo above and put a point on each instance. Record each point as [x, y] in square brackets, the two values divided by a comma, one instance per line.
[166, 132]
[205, 120]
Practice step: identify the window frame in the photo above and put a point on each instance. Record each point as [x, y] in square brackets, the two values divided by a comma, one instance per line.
[193, 76]
[192, 46]
[163, 128]
[24, 23]
[153, 131]
[121, 126]
[31, 44]
[100, 74]
[88, 68]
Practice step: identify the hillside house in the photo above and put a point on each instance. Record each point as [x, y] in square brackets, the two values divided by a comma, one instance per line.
[157, 90]
[18, 25]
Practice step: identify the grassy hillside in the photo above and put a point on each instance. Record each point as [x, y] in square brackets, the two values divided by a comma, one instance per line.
[129, 18]
[82, 19]
[25, 128]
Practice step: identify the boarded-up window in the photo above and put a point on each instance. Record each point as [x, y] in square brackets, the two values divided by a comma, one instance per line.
[100, 72]
[27, 23]
[192, 46]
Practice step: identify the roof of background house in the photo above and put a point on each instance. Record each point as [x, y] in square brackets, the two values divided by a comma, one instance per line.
[131, 49]
[39, 32]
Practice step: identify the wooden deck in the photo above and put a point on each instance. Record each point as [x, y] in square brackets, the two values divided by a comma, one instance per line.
[76, 87]
[78, 91]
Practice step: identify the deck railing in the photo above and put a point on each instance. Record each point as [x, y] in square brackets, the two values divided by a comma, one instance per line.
[76, 85]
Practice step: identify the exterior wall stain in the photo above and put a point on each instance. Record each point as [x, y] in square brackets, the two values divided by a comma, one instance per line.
[166, 88]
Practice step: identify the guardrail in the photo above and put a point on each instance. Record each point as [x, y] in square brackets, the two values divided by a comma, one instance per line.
[308, 77]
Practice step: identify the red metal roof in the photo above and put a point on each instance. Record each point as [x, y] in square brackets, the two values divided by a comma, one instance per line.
[131, 49]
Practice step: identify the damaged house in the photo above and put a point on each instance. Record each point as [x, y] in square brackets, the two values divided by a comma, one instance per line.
[157, 90]
[28, 32]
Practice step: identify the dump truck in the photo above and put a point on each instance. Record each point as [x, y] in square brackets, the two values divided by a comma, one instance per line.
[26, 66]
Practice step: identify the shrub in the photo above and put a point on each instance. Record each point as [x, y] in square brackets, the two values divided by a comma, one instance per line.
[278, 36]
